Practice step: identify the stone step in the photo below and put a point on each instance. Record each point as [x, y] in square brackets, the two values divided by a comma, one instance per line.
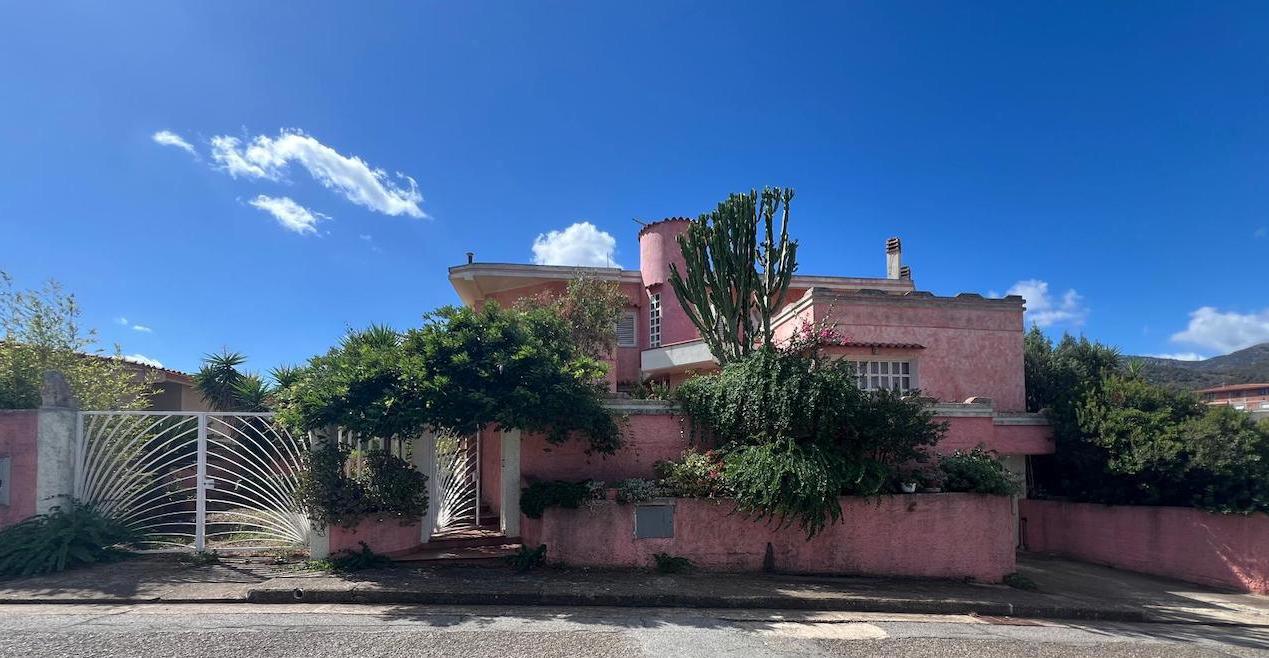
[460, 554]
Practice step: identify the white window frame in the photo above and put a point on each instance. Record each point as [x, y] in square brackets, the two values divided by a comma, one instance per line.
[874, 374]
[654, 320]
[631, 317]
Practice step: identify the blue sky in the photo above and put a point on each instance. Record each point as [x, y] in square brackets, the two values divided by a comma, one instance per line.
[1109, 160]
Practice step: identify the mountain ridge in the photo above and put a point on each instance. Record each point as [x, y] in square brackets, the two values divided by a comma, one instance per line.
[1249, 365]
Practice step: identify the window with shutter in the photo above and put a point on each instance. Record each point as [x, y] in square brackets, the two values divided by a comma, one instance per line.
[626, 332]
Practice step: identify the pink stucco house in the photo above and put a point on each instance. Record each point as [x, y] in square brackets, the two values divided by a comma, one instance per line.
[964, 351]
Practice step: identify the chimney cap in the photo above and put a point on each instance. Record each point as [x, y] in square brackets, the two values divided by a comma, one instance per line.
[471, 257]
[905, 272]
[893, 244]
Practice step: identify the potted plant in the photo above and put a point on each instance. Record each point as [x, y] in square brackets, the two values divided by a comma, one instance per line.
[908, 476]
[931, 480]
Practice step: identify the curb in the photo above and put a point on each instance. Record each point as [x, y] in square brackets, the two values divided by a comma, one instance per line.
[531, 599]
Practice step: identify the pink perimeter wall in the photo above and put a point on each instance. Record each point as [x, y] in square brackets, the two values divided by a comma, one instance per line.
[967, 432]
[929, 536]
[387, 537]
[18, 431]
[1177, 542]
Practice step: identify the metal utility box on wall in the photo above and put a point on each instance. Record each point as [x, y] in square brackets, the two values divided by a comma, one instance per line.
[654, 521]
[6, 464]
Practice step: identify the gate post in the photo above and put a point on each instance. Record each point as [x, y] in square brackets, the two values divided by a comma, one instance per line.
[423, 452]
[319, 539]
[200, 487]
[510, 481]
[55, 443]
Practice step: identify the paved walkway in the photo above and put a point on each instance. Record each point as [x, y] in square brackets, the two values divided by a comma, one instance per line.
[1066, 590]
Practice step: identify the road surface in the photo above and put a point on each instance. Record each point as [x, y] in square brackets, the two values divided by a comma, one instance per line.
[316, 631]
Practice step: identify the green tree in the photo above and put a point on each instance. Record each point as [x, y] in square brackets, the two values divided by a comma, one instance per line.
[465, 368]
[734, 284]
[590, 307]
[40, 330]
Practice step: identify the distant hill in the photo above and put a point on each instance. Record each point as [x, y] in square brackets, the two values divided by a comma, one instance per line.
[1242, 367]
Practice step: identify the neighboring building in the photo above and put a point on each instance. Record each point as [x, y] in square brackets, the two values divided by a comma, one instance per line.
[952, 348]
[1252, 398]
[173, 390]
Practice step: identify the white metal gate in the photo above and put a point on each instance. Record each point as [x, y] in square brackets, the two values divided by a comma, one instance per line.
[454, 482]
[189, 480]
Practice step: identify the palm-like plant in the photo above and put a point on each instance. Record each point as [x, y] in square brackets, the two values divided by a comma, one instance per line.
[226, 388]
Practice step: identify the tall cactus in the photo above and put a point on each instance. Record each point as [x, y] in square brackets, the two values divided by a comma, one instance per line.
[734, 283]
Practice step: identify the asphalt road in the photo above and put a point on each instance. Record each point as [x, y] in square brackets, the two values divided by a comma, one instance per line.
[313, 631]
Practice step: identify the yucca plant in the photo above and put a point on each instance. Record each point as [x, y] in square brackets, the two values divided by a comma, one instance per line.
[65, 538]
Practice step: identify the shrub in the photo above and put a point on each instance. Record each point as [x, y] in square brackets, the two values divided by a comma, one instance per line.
[527, 559]
[694, 475]
[385, 486]
[67, 537]
[538, 496]
[795, 432]
[636, 490]
[976, 471]
[348, 560]
[666, 563]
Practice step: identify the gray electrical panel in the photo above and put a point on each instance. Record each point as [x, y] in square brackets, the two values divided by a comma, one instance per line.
[654, 521]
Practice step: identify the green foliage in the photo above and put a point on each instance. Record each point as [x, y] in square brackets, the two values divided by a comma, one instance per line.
[1019, 581]
[385, 486]
[795, 433]
[40, 330]
[666, 563]
[976, 471]
[226, 388]
[65, 538]
[527, 559]
[535, 498]
[694, 475]
[733, 283]
[348, 561]
[648, 390]
[199, 558]
[464, 369]
[636, 490]
[1123, 440]
[590, 308]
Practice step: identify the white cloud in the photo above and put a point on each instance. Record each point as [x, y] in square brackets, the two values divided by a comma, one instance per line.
[142, 328]
[143, 360]
[291, 215]
[1180, 356]
[267, 157]
[122, 321]
[1225, 331]
[1044, 310]
[579, 244]
[169, 138]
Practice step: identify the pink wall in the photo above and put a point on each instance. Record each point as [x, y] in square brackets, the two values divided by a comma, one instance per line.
[971, 347]
[18, 431]
[386, 537]
[966, 433]
[648, 439]
[1177, 542]
[931, 536]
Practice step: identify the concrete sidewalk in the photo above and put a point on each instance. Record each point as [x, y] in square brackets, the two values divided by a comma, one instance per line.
[1067, 590]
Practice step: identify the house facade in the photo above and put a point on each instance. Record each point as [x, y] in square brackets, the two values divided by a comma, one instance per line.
[964, 351]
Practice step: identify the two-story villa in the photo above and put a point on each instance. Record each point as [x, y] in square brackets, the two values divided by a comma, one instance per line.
[965, 351]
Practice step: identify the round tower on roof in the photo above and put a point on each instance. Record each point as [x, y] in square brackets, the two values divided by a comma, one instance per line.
[658, 247]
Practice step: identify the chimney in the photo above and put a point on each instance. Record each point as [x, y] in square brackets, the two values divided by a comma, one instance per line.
[894, 251]
[471, 257]
[905, 272]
